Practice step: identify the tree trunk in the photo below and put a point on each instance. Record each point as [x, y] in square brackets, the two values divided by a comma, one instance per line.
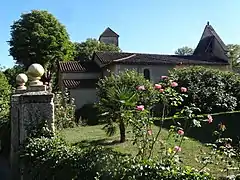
[122, 131]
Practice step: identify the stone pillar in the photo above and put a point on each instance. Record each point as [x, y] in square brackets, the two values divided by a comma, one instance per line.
[29, 107]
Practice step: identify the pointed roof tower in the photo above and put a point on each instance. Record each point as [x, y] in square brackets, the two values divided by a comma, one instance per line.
[211, 44]
[109, 33]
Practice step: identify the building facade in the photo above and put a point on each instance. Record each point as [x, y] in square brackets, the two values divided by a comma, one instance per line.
[80, 78]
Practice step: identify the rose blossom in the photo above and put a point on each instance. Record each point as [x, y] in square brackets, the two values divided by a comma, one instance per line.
[183, 89]
[174, 84]
[210, 119]
[158, 86]
[164, 77]
[149, 132]
[180, 132]
[140, 88]
[177, 149]
[161, 90]
[228, 146]
[140, 108]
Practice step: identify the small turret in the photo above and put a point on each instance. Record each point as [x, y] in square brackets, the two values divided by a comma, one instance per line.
[109, 37]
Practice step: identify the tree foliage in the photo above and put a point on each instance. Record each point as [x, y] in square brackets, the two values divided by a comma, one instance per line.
[11, 74]
[117, 95]
[38, 37]
[234, 54]
[85, 50]
[209, 89]
[5, 91]
[185, 50]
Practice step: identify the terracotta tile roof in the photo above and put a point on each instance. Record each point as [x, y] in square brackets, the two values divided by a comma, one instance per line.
[80, 83]
[109, 33]
[106, 58]
[76, 66]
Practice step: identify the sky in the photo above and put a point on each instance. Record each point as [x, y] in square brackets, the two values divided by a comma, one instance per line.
[146, 26]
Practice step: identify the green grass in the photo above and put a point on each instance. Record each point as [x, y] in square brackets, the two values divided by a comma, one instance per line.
[94, 135]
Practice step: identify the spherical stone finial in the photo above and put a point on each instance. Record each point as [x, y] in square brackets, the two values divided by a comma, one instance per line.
[35, 72]
[21, 79]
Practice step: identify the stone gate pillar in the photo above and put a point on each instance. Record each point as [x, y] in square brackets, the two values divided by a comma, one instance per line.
[30, 106]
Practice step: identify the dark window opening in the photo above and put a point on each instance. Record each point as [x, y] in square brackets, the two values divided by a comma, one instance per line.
[146, 74]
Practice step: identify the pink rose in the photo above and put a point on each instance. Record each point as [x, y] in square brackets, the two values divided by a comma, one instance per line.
[228, 146]
[161, 90]
[180, 132]
[174, 84]
[164, 77]
[141, 88]
[158, 86]
[177, 149]
[210, 119]
[183, 89]
[149, 132]
[140, 108]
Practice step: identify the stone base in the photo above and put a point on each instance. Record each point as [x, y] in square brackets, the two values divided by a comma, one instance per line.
[37, 88]
[19, 91]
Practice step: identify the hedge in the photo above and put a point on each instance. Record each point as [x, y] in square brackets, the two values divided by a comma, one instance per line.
[205, 134]
[52, 158]
[209, 89]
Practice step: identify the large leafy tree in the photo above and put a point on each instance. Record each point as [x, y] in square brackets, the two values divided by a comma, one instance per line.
[85, 50]
[38, 37]
[185, 50]
[234, 54]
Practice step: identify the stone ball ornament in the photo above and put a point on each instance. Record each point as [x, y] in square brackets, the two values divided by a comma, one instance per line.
[21, 80]
[35, 72]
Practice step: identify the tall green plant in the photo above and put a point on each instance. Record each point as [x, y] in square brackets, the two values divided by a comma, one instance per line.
[117, 96]
[64, 110]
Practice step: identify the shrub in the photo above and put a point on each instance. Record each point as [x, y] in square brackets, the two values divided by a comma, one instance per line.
[117, 94]
[64, 110]
[209, 89]
[88, 114]
[5, 136]
[5, 91]
[204, 134]
[48, 158]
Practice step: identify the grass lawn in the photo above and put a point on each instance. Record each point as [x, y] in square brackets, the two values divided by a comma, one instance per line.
[94, 135]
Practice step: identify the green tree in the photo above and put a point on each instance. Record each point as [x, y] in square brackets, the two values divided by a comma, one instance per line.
[85, 50]
[234, 54]
[185, 50]
[11, 74]
[38, 37]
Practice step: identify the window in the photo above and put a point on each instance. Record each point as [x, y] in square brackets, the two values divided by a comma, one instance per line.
[146, 74]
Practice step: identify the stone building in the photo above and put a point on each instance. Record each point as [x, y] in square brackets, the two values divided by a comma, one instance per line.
[81, 77]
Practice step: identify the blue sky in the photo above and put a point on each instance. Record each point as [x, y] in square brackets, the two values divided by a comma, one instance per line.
[147, 26]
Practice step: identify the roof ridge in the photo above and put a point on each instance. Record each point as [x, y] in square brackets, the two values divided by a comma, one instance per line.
[109, 32]
[125, 58]
[217, 37]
